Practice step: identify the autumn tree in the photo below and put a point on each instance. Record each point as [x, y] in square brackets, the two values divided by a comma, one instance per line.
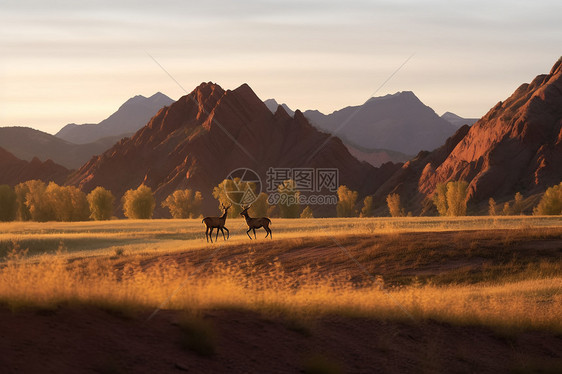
[8, 202]
[289, 199]
[101, 202]
[492, 207]
[67, 203]
[260, 207]
[368, 207]
[346, 202]
[32, 202]
[394, 206]
[139, 203]
[236, 193]
[440, 199]
[517, 207]
[22, 210]
[551, 202]
[184, 203]
[506, 209]
[450, 198]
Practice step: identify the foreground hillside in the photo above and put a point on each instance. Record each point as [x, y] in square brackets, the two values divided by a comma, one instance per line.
[355, 295]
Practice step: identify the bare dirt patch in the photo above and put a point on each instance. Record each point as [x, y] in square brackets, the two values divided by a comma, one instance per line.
[87, 340]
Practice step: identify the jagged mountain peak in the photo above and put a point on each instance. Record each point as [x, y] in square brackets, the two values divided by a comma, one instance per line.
[198, 140]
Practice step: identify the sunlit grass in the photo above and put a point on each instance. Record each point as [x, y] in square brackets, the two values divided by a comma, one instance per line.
[104, 264]
[529, 304]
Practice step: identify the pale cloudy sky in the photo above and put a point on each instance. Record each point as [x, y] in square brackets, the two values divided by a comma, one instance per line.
[77, 61]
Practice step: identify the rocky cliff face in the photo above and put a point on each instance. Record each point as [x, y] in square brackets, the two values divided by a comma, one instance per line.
[515, 147]
[14, 171]
[197, 141]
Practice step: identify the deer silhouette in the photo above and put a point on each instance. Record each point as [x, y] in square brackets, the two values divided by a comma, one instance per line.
[216, 223]
[256, 223]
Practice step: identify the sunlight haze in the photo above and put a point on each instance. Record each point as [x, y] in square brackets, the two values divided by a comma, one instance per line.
[65, 61]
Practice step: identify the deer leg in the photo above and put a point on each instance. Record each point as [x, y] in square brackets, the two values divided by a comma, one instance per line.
[255, 233]
[211, 234]
[267, 230]
[248, 233]
[222, 230]
[216, 237]
[207, 234]
[227, 233]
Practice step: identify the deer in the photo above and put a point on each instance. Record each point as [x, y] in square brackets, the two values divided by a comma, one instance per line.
[216, 223]
[256, 223]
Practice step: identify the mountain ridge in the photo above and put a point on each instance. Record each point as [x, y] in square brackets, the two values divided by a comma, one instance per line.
[198, 140]
[129, 117]
[398, 122]
[14, 170]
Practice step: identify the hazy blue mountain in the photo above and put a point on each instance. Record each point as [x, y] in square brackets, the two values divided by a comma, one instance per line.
[398, 122]
[128, 119]
[272, 105]
[458, 121]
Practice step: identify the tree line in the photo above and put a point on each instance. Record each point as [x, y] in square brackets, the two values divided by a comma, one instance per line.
[35, 200]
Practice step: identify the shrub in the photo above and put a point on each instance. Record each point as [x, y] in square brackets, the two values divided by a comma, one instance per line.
[139, 203]
[551, 202]
[506, 209]
[307, 212]
[8, 205]
[394, 207]
[184, 204]
[346, 202]
[101, 202]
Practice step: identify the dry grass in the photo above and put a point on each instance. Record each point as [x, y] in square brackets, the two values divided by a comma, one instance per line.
[136, 268]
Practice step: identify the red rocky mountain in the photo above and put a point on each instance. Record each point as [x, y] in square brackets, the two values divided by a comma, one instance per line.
[198, 140]
[14, 170]
[515, 147]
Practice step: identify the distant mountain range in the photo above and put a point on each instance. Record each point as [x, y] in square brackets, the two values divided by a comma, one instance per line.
[26, 143]
[14, 171]
[75, 144]
[458, 121]
[390, 128]
[127, 120]
[197, 141]
[272, 105]
[398, 122]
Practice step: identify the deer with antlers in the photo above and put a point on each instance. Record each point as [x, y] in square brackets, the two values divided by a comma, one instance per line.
[216, 223]
[256, 223]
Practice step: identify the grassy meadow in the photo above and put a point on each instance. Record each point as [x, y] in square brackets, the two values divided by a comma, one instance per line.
[502, 272]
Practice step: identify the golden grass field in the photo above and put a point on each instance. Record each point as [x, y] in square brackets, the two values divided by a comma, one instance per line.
[501, 272]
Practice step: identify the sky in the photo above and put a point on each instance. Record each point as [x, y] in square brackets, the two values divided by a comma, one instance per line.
[78, 61]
